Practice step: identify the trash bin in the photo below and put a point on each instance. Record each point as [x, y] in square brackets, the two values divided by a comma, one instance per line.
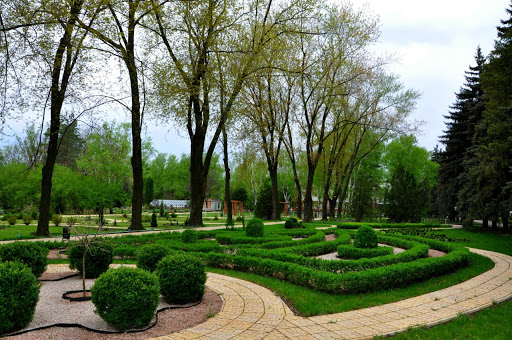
[65, 233]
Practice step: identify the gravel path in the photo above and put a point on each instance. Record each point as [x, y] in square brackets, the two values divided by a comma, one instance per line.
[53, 309]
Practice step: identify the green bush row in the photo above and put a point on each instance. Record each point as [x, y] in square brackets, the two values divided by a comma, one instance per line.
[391, 276]
[351, 252]
[319, 236]
[356, 225]
[300, 255]
[238, 238]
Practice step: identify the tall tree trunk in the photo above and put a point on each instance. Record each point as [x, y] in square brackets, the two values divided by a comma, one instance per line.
[485, 223]
[494, 223]
[308, 196]
[198, 180]
[504, 218]
[227, 190]
[136, 160]
[276, 213]
[43, 224]
[64, 62]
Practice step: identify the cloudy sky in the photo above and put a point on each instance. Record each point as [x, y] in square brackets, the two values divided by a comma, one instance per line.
[435, 42]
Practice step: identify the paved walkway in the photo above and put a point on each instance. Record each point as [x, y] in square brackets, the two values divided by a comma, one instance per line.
[254, 312]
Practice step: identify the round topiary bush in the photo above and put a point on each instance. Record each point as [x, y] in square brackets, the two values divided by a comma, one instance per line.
[19, 292]
[189, 236]
[98, 257]
[365, 238]
[149, 255]
[28, 253]
[254, 228]
[182, 278]
[291, 223]
[126, 297]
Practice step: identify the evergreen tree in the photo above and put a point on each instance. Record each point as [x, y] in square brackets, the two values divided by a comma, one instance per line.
[489, 169]
[465, 114]
[149, 190]
[404, 198]
[263, 208]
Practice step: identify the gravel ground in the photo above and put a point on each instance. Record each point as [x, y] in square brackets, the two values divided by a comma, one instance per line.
[52, 309]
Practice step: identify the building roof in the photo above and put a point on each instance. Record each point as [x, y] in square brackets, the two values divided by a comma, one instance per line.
[174, 203]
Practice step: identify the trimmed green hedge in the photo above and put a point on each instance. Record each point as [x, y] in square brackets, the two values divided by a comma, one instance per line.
[356, 225]
[351, 252]
[240, 238]
[383, 277]
[30, 254]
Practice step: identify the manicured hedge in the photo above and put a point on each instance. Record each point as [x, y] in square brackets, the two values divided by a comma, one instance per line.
[351, 252]
[28, 253]
[19, 293]
[356, 225]
[383, 277]
[240, 238]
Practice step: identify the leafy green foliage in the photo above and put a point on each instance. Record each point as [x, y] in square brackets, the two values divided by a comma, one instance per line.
[30, 254]
[126, 297]
[351, 252]
[98, 257]
[404, 198]
[149, 255]
[263, 207]
[12, 220]
[19, 293]
[292, 223]
[27, 219]
[189, 236]
[182, 278]
[365, 238]
[254, 228]
[56, 219]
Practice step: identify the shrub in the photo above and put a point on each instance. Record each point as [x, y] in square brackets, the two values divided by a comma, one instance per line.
[351, 252]
[254, 228]
[365, 238]
[189, 236]
[154, 224]
[149, 255]
[57, 219]
[215, 217]
[98, 257]
[263, 207]
[30, 254]
[467, 223]
[291, 223]
[27, 219]
[19, 292]
[71, 221]
[12, 220]
[182, 278]
[126, 297]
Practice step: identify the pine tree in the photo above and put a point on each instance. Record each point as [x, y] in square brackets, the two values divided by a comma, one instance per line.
[465, 114]
[405, 197]
[490, 174]
[149, 190]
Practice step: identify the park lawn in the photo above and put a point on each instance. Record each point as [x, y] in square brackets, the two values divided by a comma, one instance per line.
[18, 231]
[488, 240]
[489, 324]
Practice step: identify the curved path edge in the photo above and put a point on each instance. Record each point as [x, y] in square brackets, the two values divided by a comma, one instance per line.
[254, 312]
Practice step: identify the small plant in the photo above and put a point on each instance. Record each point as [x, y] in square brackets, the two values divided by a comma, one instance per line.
[71, 221]
[96, 257]
[238, 219]
[12, 220]
[254, 228]
[173, 215]
[230, 224]
[149, 255]
[211, 313]
[115, 222]
[126, 297]
[186, 222]
[291, 223]
[215, 217]
[30, 254]
[189, 236]
[57, 219]
[19, 294]
[154, 223]
[27, 219]
[182, 278]
[365, 237]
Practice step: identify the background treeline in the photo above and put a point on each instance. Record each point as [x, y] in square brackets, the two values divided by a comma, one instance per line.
[475, 175]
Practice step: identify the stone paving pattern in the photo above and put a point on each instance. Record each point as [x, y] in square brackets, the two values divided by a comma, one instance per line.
[253, 312]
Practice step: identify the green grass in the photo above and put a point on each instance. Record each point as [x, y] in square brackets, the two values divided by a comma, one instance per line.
[489, 324]
[495, 241]
[309, 302]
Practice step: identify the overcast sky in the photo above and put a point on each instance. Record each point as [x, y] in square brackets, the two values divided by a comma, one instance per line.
[435, 41]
